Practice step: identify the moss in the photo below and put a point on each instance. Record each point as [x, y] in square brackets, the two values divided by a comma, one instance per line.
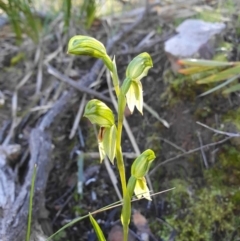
[233, 116]
[209, 211]
[203, 112]
[179, 87]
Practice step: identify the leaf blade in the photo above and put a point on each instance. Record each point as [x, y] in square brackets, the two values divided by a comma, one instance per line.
[97, 228]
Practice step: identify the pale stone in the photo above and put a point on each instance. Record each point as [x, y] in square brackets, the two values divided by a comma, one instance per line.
[194, 39]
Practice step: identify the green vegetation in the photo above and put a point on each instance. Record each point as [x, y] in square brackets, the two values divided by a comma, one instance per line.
[25, 19]
[207, 211]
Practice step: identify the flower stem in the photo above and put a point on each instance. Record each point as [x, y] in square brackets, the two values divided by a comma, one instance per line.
[119, 156]
[126, 211]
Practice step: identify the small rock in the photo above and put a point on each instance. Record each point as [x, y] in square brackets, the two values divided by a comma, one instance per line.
[194, 39]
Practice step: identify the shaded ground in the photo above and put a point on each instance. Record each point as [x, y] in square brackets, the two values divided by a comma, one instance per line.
[205, 202]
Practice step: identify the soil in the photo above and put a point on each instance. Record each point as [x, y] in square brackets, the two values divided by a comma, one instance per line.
[181, 109]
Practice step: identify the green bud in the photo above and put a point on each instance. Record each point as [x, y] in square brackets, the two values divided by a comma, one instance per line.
[139, 66]
[85, 45]
[141, 165]
[99, 113]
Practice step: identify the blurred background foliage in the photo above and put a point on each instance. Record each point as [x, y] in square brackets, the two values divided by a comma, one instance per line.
[29, 16]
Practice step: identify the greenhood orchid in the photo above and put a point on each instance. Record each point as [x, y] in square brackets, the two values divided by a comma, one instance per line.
[99, 113]
[85, 45]
[136, 70]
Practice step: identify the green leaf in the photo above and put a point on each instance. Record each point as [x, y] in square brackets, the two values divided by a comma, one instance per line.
[206, 63]
[97, 228]
[194, 70]
[221, 75]
[231, 89]
[220, 86]
[67, 6]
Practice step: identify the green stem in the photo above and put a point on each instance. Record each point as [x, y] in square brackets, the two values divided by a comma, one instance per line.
[119, 156]
[126, 210]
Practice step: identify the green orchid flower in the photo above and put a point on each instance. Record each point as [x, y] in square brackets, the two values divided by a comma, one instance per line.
[99, 113]
[137, 183]
[85, 45]
[141, 189]
[142, 164]
[107, 142]
[136, 70]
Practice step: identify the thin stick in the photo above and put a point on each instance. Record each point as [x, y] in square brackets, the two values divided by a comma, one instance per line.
[202, 151]
[112, 177]
[66, 79]
[187, 153]
[78, 117]
[219, 132]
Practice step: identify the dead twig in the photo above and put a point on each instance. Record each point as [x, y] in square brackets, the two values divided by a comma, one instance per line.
[219, 132]
[202, 151]
[66, 79]
[187, 153]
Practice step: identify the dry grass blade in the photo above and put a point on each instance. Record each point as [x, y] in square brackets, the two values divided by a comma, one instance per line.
[16, 120]
[219, 132]
[78, 117]
[155, 114]
[112, 177]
